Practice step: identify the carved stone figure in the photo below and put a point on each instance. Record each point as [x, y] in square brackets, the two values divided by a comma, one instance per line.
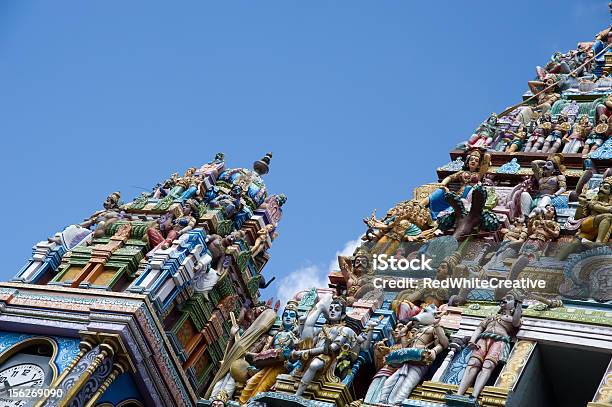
[598, 135]
[408, 221]
[101, 220]
[596, 214]
[555, 138]
[575, 140]
[180, 219]
[358, 274]
[273, 359]
[261, 243]
[485, 134]
[518, 139]
[321, 347]
[233, 368]
[476, 166]
[406, 365]
[550, 184]
[542, 228]
[491, 344]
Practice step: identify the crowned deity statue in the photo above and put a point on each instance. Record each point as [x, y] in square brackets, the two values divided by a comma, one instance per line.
[575, 140]
[179, 220]
[101, 220]
[233, 372]
[274, 358]
[517, 141]
[490, 344]
[477, 164]
[555, 138]
[321, 348]
[542, 228]
[598, 135]
[543, 128]
[230, 203]
[551, 183]
[595, 215]
[485, 134]
[418, 342]
[261, 244]
[95, 226]
[408, 221]
[358, 275]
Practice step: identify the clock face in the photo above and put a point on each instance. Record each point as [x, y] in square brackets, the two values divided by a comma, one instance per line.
[19, 376]
[23, 375]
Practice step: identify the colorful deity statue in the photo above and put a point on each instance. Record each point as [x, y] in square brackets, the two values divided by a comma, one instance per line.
[358, 275]
[322, 347]
[162, 190]
[464, 210]
[542, 228]
[230, 203]
[575, 140]
[274, 358]
[407, 221]
[233, 372]
[598, 135]
[490, 344]
[596, 214]
[261, 243]
[547, 93]
[477, 163]
[518, 139]
[178, 220]
[101, 220]
[550, 184]
[420, 340]
[485, 134]
[544, 127]
[95, 226]
[556, 136]
[604, 108]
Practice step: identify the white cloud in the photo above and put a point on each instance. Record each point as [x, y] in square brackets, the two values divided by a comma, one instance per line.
[311, 275]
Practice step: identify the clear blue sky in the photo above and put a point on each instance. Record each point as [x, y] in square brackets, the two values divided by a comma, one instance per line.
[359, 101]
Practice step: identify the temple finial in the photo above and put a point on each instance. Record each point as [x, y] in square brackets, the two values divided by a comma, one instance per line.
[262, 166]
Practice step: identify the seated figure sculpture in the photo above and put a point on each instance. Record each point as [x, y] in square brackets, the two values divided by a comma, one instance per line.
[485, 134]
[406, 364]
[596, 214]
[407, 221]
[550, 184]
[180, 219]
[491, 344]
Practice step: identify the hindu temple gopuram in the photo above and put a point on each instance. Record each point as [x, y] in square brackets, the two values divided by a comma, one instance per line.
[501, 293]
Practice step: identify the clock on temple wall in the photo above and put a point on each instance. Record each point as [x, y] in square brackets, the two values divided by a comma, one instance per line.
[27, 364]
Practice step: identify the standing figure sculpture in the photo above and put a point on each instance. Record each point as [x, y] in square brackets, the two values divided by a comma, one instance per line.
[598, 135]
[575, 140]
[321, 347]
[273, 359]
[555, 138]
[410, 362]
[491, 344]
